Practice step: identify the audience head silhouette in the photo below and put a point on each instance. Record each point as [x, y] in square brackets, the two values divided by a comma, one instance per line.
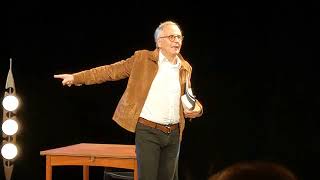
[255, 171]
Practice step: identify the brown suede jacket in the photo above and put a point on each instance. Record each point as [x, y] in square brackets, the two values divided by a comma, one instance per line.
[141, 68]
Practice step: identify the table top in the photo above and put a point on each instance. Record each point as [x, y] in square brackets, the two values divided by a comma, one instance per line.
[94, 150]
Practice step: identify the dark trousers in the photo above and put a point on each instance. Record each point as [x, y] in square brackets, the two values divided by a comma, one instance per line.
[157, 153]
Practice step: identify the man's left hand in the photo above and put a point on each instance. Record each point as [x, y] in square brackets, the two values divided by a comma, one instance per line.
[196, 112]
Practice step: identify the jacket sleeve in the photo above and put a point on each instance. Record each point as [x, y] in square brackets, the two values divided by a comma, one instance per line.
[189, 74]
[112, 72]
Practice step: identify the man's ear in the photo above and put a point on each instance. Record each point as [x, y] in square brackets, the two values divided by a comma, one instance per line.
[158, 43]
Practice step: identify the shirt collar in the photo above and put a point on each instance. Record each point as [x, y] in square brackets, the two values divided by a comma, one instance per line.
[163, 59]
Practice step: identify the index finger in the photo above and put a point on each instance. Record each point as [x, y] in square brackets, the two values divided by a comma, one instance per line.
[58, 76]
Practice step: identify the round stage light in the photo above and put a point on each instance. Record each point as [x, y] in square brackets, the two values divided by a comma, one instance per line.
[10, 103]
[9, 151]
[10, 127]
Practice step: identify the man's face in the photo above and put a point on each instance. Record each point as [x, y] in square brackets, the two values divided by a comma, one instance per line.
[170, 40]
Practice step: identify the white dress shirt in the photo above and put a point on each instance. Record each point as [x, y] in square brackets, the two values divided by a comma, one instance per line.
[163, 100]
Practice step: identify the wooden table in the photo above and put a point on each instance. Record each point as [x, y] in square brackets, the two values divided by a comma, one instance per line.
[86, 154]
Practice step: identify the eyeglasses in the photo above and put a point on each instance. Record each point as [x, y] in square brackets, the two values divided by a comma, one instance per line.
[172, 38]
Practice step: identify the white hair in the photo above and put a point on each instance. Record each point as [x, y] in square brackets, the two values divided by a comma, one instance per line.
[160, 28]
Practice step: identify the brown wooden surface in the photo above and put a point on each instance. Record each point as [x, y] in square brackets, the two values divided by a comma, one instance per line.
[96, 150]
[86, 154]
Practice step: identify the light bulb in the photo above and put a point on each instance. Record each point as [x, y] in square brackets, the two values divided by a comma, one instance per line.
[10, 127]
[9, 151]
[10, 103]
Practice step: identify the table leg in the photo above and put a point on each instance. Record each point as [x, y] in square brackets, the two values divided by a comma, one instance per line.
[135, 171]
[85, 172]
[48, 168]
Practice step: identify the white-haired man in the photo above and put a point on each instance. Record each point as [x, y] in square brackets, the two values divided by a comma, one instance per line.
[151, 104]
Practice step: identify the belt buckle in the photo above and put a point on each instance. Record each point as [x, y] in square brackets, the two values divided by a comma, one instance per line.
[169, 128]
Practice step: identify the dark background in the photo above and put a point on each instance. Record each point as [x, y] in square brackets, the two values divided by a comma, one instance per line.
[253, 70]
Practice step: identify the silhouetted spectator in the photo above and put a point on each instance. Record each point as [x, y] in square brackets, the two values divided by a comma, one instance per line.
[254, 171]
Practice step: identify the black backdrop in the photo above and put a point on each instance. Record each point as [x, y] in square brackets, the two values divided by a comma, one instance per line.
[253, 71]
